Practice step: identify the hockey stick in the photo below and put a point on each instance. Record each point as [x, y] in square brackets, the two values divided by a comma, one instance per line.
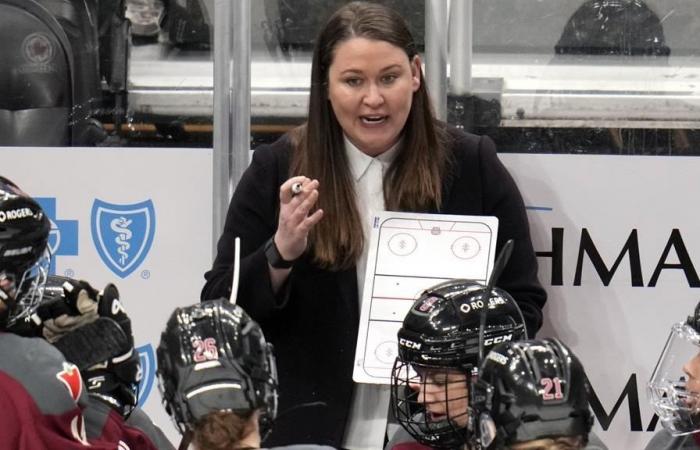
[499, 265]
[236, 270]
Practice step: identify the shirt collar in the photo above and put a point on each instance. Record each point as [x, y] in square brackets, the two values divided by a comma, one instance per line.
[360, 161]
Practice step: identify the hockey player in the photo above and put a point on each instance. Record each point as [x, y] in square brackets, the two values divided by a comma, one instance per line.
[90, 328]
[42, 395]
[218, 378]
[532, 395]
[437, 360]
[674, 388]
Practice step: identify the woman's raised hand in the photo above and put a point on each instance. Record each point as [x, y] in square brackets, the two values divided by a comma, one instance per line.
[295, 222]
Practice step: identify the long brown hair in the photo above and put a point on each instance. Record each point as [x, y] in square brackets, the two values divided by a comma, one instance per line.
[413, 182]
[221, 430]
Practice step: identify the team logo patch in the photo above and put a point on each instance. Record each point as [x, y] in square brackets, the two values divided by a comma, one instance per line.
[37, 48]
[148, 371]
[426, 304]
[70, 377]
[123, 234]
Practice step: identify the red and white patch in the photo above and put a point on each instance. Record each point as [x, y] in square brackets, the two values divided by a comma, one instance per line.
[427, 304]
[205, 350]
[70, 376]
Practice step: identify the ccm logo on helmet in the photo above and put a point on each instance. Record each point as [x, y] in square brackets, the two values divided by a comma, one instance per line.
[498, 339]
[409, 344]
[13, 214]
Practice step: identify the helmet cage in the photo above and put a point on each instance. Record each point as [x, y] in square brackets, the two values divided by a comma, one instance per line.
[24, 256]
[677, 406]
[28, 291]
[438, 423]
[441, 335]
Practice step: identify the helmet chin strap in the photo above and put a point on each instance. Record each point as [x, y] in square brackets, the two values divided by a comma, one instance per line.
[4, 314]
[186, 440]
[7, 300]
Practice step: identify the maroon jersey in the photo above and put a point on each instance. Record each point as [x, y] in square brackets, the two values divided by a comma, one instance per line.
[41, 398]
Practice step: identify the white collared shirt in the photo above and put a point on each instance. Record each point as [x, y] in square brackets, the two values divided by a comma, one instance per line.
[370, 403]
[368, 176]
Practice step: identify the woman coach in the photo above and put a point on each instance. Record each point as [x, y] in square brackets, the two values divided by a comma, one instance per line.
[371, 142]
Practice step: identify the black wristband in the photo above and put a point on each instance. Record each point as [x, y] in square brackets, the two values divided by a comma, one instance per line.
[273, 256]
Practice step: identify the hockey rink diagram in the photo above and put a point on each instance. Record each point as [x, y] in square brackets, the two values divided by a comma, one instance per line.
[410, 252]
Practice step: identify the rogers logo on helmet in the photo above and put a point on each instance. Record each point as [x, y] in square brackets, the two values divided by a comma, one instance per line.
[409, 344]
[17, 251]
[498, 339]
[13, 214]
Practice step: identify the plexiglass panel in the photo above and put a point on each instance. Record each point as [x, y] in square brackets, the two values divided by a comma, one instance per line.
[560, 76]
[170, 73]
[596, 76]
[105, 73]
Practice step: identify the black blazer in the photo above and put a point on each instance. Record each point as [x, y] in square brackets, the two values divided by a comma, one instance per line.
[313, 321]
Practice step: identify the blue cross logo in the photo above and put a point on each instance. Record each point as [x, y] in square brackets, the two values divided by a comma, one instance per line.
[63, 239]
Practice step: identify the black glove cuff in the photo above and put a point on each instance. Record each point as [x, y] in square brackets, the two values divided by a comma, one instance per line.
[108, 388]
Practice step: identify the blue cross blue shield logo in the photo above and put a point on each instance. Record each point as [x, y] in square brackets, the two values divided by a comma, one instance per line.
[123, 234]
[148, 371]
[63, 238]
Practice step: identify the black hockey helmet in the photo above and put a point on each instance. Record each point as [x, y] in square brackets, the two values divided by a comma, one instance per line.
[213, 357]
[613, 27]
[24, 253]
[439, 338]
[530, 390]
[442, 327]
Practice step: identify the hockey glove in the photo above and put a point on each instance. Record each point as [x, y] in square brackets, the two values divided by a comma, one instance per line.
[95, 330]
[81, 301]
[116, 381]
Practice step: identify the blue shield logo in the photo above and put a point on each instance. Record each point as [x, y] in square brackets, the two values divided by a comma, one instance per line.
[123, 234]
[148, 372]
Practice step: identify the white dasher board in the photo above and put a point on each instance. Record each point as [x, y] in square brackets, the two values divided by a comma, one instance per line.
[408, 253]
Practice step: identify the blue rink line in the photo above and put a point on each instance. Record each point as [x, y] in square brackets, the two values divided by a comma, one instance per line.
[538, 208]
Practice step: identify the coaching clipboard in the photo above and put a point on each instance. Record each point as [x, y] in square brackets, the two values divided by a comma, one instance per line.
[408, 253]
